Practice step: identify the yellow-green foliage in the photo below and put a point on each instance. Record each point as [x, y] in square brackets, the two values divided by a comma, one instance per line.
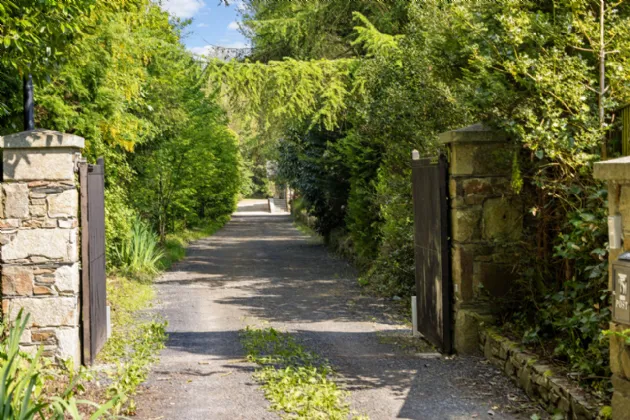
[116, 73]
[297, 383]
[376, 43]
[286, 91]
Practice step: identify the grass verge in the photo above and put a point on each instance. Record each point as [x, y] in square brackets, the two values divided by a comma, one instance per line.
[138, 335]
[136, 339]
[298, 384]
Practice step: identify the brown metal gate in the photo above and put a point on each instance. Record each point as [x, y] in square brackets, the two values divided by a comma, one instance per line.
[94, 297]
[433, 280]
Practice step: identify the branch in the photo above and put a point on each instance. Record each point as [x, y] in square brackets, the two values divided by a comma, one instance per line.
[582, 49]
[592, 89]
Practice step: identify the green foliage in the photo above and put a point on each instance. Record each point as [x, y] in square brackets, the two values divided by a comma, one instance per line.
[316, 28]
[16, 389]
[306, 162]
[624, 334]
[36, 35]
[376, 43]
[575, 330]
[313, 92]
[140, 253]
[118, 219]
[605, 413]
[24, 377]
[118, 75]
[296, 382]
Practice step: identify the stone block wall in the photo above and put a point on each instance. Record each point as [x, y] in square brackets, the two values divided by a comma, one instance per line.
[617, 174]
[39, 239]
[486, 222]
[540, 381]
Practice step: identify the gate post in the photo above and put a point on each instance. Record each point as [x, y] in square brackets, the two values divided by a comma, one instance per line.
[617, 173]
[39, 259]
[485, 217]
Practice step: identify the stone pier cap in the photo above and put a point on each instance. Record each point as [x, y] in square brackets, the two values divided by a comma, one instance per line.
[476, 133]
[39, 155]
[613, 170]
[41, 138]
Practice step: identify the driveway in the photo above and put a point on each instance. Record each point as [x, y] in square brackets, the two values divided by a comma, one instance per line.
[260, 270]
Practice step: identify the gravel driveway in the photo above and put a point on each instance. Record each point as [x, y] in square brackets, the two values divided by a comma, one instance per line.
[260, 270]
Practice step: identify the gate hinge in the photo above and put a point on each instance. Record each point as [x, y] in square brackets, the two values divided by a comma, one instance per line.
[78, 160]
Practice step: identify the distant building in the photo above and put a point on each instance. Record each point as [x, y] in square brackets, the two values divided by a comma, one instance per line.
[225, 53]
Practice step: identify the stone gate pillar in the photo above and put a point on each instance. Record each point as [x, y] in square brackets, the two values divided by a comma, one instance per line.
[617, 173]
[39, 258]
[486, 219]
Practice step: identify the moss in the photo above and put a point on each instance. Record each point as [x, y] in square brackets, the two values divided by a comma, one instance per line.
[605, 413]
[548, 373]
[493, 333]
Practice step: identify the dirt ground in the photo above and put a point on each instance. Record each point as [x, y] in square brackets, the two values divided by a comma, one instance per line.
[260, 270]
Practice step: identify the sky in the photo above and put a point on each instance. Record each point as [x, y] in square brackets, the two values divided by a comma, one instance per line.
[213, 23]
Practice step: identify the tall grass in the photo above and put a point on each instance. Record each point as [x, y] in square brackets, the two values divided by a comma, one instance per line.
[141, 253]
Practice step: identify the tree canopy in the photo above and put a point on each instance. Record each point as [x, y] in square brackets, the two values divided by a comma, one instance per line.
[117, 74]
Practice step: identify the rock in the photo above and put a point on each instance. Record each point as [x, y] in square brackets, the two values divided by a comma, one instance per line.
[42, 290]
[68, 344]
[16, 200]
[44, 336]
[67, 278]
[17, 281]
[68, 223]
[55, 244]
[466, 224]
[502, 219]
[65, 204]
[47, 312]
[38, 210]
[9, 223]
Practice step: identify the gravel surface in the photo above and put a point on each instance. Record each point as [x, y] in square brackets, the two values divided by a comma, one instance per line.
[260, 270]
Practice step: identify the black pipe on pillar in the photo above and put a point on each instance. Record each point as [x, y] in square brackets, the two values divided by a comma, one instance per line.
[29, 104]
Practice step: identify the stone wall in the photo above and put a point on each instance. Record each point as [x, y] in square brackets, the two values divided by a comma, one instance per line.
[540, 381]
[39, 221]
[486, 223]
[617, 173]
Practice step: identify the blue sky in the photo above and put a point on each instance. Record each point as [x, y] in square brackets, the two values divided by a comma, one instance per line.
[213, 24]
